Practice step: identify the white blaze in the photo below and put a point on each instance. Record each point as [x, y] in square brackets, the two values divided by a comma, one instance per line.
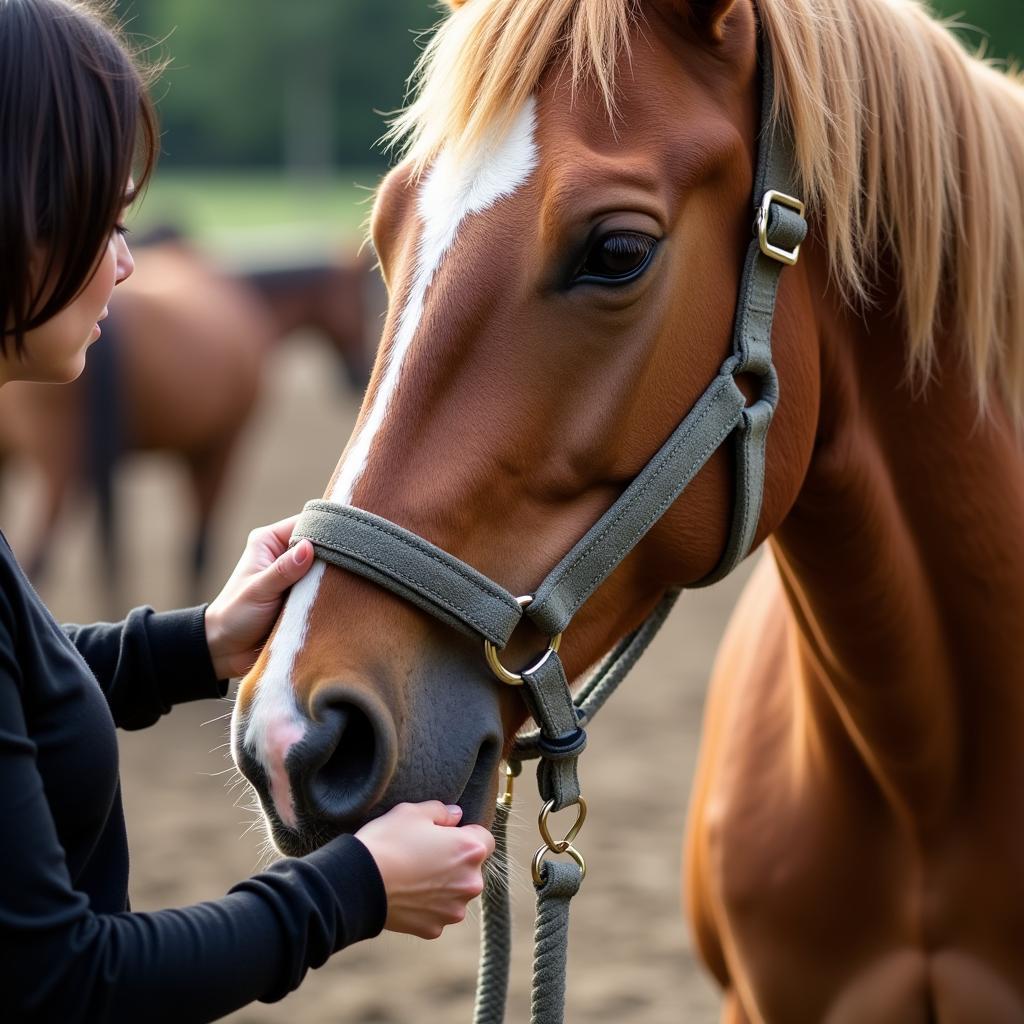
[450, 193]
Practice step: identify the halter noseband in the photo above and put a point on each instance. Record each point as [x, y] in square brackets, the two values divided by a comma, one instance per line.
[462, 597]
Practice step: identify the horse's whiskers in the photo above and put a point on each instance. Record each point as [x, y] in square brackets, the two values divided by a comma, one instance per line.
[253, 825]
[246, 794]
[219, 718]
[266, 854]
[234, 783]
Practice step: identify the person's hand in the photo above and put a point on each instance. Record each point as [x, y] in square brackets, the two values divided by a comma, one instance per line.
[239, 618]
[430, 868]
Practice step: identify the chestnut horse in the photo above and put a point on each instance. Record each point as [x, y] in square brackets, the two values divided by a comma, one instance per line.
[179, 371]
[562, 247]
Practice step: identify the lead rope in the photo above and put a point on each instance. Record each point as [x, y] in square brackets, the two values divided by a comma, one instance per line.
[555, 883]
[495, 920]
[551, 941]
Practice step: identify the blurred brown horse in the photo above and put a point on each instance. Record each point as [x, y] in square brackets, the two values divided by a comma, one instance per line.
[178, 370]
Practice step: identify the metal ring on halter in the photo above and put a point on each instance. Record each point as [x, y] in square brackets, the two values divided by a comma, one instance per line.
[562, 845]
[569, 851]
[516, 678]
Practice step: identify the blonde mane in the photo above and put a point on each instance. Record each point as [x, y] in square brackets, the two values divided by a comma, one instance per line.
[907, 146]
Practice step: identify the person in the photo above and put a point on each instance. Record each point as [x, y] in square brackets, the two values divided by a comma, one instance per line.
[74, 122]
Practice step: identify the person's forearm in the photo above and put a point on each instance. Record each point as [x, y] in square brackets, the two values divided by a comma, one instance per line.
[201, 962]
[149, 662]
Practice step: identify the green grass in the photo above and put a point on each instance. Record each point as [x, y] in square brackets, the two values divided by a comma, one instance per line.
[258, 216]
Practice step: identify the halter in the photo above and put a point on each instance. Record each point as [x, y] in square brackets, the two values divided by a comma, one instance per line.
[459, 595]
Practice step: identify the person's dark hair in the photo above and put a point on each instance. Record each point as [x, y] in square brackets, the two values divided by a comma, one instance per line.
[75, 120]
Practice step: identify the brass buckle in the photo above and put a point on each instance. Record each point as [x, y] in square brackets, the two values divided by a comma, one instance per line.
[774, 251]
[516, 678]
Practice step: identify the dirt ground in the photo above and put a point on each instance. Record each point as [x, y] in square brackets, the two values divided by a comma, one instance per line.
[192, 837]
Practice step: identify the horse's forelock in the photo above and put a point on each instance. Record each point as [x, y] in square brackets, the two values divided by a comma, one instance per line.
[485, 61]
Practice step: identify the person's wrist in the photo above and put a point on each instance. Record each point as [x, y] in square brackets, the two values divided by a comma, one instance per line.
[216, 642]
[351, 869]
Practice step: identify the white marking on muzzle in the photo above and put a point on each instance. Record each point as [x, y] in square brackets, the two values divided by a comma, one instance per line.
[450, 193]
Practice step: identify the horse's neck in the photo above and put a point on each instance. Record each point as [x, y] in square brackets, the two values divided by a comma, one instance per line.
[903, 561]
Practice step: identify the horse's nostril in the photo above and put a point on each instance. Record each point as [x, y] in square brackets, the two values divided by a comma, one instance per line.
[341, 766]
[346, 769]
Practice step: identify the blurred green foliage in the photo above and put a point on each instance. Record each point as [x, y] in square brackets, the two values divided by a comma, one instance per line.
[259, 217]
[300, 84]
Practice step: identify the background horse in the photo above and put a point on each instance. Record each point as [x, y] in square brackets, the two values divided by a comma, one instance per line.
[178, 371]
[338, 299]
[562, 248]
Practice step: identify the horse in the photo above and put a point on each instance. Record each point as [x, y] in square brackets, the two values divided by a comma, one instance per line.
[336, 298]
[562, 244]
[179, 371]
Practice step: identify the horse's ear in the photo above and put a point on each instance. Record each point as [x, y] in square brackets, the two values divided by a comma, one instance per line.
[709, 16]
[706, 16]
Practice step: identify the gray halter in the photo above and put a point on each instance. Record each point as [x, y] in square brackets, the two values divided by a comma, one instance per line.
[459, 595]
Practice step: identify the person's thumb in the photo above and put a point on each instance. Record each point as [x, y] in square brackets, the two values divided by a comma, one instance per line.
[284, 571]
[447, 814]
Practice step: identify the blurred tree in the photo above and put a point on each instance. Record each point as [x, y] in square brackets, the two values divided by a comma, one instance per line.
[301, 84]
[265, 83]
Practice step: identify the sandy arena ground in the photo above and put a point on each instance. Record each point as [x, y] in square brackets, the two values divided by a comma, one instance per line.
[631, 958]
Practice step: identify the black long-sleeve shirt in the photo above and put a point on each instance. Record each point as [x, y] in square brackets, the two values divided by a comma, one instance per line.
[70, 950]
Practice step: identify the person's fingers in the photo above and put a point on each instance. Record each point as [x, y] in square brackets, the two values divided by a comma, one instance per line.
[282, 530]
[275, 537]
[283, 572]
[302, 554]
[443, 814]
[482, 836]
[472, 885]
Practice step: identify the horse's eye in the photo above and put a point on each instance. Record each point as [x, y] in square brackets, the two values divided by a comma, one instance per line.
[616, 258]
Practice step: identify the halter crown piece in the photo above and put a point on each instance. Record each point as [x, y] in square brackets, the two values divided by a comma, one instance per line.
[464, 598]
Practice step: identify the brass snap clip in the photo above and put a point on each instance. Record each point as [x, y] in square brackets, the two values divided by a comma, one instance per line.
[505, 796]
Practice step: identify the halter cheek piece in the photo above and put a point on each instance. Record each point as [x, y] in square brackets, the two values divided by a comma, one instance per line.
[464, 598]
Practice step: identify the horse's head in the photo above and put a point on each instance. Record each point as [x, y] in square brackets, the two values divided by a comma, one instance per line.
[562, 286]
